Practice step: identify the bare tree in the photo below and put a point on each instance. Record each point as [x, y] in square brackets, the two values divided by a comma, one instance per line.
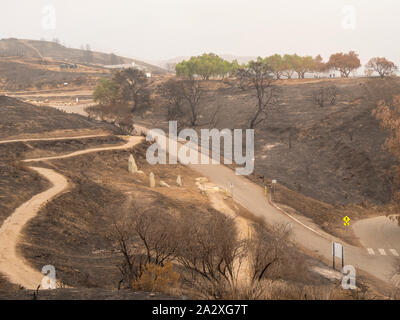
[332, 94]
[125, 126]
[132, 264]
[209, 250]
[192, 92]
[156, 232]
[184, 102]
[241, 75]
[88, 54]
[172, 91]
[206, 246]
[226, 267]
[260, 75]
[267, 250]
[319, 96]
[143, 237]
[323, 95]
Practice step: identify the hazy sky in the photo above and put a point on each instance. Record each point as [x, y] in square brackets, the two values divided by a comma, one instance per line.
[163, 29]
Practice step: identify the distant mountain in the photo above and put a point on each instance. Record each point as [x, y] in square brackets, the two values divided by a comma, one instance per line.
[55, 51]
[170, 63]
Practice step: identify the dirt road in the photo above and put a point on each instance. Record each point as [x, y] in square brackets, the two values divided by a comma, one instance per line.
[54, 139]
[12, 264]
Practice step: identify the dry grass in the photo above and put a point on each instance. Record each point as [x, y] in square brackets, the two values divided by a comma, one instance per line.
[156, 278]
[328, 217]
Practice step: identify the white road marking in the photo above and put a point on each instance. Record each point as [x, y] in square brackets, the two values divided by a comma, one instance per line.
[394, 252]
[371, 251]
[382, 252]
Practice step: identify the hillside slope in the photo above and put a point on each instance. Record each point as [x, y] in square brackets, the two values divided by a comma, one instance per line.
[55, 51]
[34, 73]
[19, 119]
[336, 153]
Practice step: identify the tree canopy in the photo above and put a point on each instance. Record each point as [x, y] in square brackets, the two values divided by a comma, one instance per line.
[205, 66]
[127, 87]
[106, 92]
[344, 63]
[210, 65]
[382, 66]
[289, 64]
[276, 63]
[260, 75]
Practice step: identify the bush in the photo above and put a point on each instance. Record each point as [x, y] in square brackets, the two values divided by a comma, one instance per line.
[156, 278]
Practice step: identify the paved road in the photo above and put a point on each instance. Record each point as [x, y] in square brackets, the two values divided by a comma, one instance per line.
[252, 197]
[380, 235]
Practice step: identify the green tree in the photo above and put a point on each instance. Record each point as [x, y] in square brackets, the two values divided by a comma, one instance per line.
[205, 66]
[133, 89]
[127, 87]
[288, 66]
[234, 66]
[186, 69]
[302, 65]
[276, 62]
[106, 92]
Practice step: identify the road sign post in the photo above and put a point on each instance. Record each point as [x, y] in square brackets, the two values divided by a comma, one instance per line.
[342, 257]
[333, 255]
[337, 251]
[273, 191]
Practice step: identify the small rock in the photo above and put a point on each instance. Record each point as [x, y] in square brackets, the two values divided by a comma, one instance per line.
[132, 167]
[152, 180]
[179, 181]
[164, 184]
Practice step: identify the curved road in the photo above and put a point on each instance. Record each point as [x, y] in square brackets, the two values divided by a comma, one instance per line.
[12, 264]
[380, 235]
[252, 197]
[382, 266]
